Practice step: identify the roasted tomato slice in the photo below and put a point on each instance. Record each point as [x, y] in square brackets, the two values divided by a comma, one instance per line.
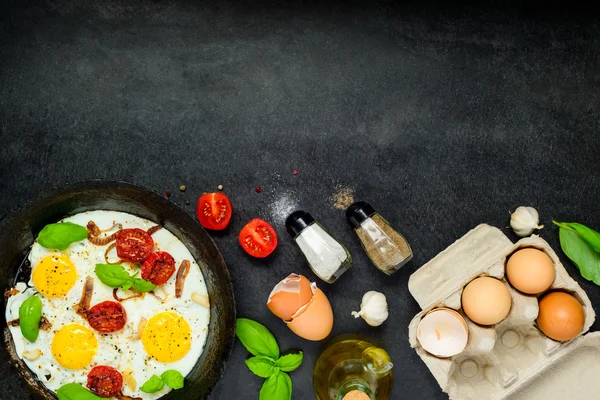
[105, 381]
[214, 211]
[258, 238]
[107, 317]
[134, 245]
[158, 268]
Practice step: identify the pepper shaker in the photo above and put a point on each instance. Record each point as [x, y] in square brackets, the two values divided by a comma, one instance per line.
[387, 249]
[328, 258]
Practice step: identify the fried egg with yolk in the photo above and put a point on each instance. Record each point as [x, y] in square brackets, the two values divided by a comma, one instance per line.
[161, 333]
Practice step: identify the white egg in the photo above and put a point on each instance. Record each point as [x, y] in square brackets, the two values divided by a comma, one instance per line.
[120, 350]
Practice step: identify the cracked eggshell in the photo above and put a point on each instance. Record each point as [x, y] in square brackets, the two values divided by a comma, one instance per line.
[443, 332]
[302, 306]
[314, 321]
[289, 295]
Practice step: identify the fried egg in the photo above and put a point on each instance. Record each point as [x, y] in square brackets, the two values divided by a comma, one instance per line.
[173, 333]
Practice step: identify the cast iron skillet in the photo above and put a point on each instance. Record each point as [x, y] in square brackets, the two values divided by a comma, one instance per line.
[18, 230]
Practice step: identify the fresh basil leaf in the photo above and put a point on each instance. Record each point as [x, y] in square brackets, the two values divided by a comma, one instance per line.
[261, 366]
[256, 338]
[276, 387]
[127, 286]
[590, 236]
[290, 362]
[61, 235]
[582, 255]
[172, 379]
[30, 314]
[142, 286]
[112, 275]
[74, 391]
[152, 385]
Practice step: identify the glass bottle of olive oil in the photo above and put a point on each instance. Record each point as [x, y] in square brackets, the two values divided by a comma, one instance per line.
[353, 370]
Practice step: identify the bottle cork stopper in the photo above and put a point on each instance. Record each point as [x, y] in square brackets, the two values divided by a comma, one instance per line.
[356, 395]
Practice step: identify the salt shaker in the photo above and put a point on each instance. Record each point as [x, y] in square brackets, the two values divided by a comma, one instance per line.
[328, 258]
[387, 249]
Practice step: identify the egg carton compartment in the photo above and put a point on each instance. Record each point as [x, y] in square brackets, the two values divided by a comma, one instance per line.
[501, 357]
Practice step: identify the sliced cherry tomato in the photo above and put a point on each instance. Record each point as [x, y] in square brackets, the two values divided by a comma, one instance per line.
[105, 381]
[214, 211]
[107, 317]
[258, 238]
[158, 268]
[134, 245]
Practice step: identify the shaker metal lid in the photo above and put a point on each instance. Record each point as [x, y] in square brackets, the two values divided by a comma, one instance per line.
[297, 221]
[359, 212]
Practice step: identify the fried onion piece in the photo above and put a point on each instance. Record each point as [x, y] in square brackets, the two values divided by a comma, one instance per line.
[86, 297]
[121, 299]
[182, 272]
[94, 232]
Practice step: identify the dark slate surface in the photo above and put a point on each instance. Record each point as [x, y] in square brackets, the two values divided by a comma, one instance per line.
[442, 120]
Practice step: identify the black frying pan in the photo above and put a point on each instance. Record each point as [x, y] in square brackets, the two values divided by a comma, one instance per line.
[18, 230]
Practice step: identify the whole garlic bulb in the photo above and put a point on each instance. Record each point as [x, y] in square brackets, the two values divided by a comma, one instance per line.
[524, 220]
[373, 308]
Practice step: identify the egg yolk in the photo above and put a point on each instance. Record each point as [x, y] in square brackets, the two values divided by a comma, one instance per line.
[74, 346]
[167, 337]
[54, 276]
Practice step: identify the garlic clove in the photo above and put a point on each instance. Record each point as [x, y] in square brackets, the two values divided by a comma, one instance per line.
[524, 220]
[373, 308]
[200, 299]
[128, 379]
[32, 355]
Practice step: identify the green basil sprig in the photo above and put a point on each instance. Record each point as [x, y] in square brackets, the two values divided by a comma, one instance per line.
[262, 366]
[152, 385]
[290, 362]
[61, 235]
[266, 362]
[276, 387]
[172, 378]
[30, 315]
[256, 338]
[74, 391]
[115, 276]
[578, 242]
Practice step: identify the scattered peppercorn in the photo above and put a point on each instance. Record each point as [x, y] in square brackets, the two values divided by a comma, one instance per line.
[167, 194]
[258, 189]
[182, 188]
[295, 172]
[187, 202]
[220, 187]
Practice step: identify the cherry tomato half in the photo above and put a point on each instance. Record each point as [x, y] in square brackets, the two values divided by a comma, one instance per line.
[158, 268]
[107, 317]
[105, 381]
[134, 245]
[258, 238]
[214, 211]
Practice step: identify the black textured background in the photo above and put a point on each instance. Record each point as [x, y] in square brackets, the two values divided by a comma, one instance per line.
[442, 119]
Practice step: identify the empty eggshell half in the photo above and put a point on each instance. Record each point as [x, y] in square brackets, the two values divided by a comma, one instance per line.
[443, 332]
[312, 316]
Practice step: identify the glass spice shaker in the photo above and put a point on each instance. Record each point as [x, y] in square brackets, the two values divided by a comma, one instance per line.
[386, 248]
[328, 258]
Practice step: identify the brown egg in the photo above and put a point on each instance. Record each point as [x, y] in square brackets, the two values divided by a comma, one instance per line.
[561, 316]
[289, 296]
[315, 320]
[486, 300]
[530, 271]
[302, 306]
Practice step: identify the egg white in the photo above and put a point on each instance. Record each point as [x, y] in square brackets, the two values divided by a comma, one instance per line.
[117, 349]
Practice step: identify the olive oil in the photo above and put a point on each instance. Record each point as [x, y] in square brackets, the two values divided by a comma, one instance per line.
[353, 370]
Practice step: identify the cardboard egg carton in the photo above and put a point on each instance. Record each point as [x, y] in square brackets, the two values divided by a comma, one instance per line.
[512, 359]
